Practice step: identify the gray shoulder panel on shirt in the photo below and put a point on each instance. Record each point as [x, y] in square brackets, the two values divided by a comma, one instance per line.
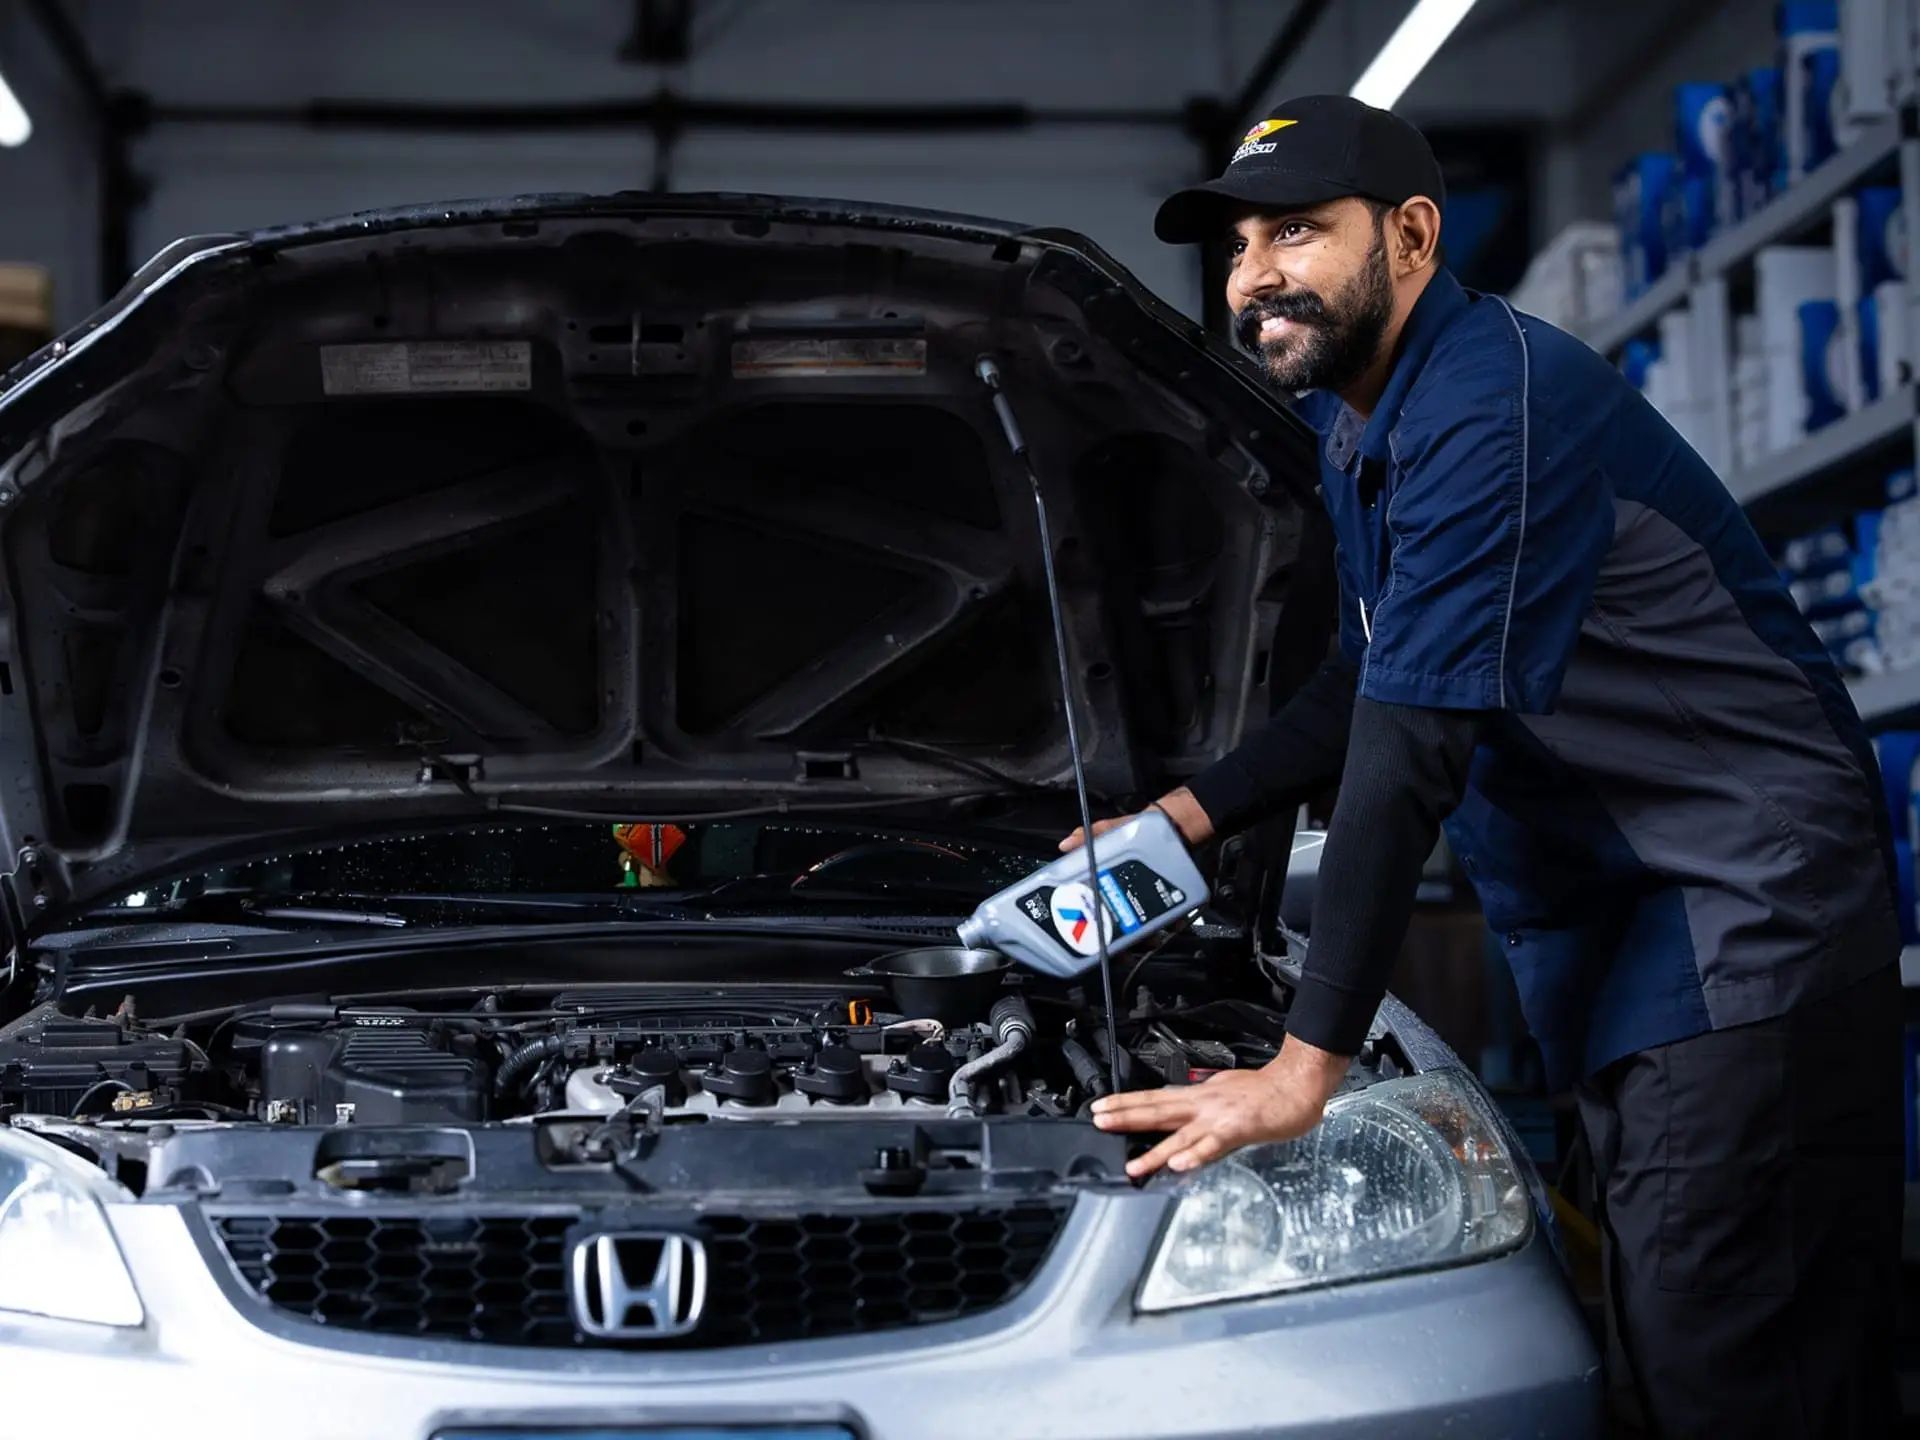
[1713, 757]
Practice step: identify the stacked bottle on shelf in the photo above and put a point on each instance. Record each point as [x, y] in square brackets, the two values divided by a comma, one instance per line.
[1877, 217]
[1828, 335]
[1737, 145]
[1859, 583]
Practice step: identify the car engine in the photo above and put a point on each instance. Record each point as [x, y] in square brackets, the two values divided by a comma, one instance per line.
[679, 1053]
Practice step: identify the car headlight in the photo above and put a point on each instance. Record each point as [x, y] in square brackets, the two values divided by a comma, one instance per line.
[57, 1254]
[1404, 1175]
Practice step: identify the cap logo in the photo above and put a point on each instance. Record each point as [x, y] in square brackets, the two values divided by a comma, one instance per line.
[1250, 143]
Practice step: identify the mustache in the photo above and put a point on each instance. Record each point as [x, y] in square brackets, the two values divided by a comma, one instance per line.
[1300, 306]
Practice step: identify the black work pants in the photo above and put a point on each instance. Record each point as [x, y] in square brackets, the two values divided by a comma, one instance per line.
[1751, 1192]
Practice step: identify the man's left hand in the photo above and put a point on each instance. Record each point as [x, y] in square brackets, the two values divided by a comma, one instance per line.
[1282, 1101]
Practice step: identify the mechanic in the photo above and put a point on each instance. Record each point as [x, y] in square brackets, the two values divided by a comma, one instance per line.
[1561, 637]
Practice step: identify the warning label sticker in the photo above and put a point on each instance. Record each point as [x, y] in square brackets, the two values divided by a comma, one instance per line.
[787, 358]
[427, 367]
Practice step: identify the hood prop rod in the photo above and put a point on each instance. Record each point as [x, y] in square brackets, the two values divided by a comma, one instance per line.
[989, 374]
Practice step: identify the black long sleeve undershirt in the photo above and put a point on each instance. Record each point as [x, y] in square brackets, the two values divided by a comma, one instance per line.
[1406, 771]
[1293, 756]
[1402, 770]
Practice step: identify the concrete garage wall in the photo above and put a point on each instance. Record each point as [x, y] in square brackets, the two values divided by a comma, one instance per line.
[1101, 54]
[48, 196]
[1578, 65]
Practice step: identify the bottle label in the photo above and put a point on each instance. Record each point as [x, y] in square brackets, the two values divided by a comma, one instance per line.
[1132, 896]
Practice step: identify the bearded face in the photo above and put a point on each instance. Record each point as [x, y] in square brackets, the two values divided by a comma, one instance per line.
[1324, 338]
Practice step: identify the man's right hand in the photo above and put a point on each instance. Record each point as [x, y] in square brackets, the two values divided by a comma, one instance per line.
[1178, 806]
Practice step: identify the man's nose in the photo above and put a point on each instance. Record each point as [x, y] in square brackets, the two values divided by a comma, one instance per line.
[1251, 280]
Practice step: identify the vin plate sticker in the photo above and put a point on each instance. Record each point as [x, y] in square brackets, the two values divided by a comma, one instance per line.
[790, 358]
[427, 367]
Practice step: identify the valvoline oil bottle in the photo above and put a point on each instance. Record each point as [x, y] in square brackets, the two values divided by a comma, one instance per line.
[1147, 882]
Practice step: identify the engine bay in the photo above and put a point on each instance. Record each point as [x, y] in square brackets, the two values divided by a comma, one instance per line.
[737, 1053]
[670, 1052]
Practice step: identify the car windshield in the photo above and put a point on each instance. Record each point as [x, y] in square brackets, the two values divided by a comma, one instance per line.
[742, 865]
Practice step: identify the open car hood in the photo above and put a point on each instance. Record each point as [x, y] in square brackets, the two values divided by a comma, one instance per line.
[628, 505]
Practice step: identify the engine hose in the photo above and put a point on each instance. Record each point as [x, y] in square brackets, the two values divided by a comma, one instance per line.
[1013, 1026]
[1087, 1073]
[1119, 1059]
[526, 1058]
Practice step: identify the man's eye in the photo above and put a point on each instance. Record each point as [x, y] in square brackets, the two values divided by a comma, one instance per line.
[1294, 229]
[1237, 249]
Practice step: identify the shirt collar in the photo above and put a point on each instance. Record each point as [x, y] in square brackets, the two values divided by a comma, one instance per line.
[1439, 304]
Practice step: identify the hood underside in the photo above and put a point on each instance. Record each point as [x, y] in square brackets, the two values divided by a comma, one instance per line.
[641, 504]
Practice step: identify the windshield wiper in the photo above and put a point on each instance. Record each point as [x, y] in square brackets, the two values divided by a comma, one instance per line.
[323, 916]
[392, 911]
[759, 890]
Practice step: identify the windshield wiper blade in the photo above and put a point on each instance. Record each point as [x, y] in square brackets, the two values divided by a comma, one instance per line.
[323, 916]
[391, 911]
[771, 887]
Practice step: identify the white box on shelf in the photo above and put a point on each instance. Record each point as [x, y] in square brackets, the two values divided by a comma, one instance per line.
[1866, 59]
[1786, 402]
[1577, 280]
[1661, 392]
[1888, 348]
[1846, 293]
[1677, 349]
[1903, 49]
[1658, 388]
[1785, 278]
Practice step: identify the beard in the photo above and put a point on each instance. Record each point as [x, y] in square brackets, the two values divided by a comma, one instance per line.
[1335, 340]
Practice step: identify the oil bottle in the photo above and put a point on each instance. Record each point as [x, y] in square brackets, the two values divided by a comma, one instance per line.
[1046, 921]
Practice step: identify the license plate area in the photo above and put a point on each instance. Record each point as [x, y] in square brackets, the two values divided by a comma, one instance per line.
[646, 1432]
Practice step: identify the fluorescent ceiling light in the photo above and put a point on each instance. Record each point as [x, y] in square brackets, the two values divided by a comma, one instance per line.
[15, 127]
[1406, 54]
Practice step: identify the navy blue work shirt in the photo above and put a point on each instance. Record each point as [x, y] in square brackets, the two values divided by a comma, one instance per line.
[1674, 819]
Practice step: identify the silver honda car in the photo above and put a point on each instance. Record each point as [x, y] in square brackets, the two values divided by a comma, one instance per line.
[502, 709]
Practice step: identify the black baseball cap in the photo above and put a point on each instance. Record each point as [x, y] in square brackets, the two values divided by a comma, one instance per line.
[1309, 151]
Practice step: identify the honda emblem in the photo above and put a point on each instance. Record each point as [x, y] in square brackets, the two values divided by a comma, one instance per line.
[639, 1285]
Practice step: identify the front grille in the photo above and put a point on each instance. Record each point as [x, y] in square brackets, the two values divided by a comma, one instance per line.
[496, 1278]
[502, 1279]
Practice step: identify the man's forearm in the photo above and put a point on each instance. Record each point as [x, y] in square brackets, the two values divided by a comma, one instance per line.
[1293, 756]
[1406, 771]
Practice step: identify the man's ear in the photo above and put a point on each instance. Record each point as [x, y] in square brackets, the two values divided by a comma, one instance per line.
[1413, 234]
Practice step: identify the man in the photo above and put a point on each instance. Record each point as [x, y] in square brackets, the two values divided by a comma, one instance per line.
[1561, 636]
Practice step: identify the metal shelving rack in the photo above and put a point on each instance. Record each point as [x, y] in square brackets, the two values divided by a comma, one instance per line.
[1702, 282]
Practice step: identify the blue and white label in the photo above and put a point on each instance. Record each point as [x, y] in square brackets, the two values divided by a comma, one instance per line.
[1122, 908]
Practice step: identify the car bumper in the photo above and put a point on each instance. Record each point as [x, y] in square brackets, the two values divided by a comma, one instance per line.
[1498, 1348]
